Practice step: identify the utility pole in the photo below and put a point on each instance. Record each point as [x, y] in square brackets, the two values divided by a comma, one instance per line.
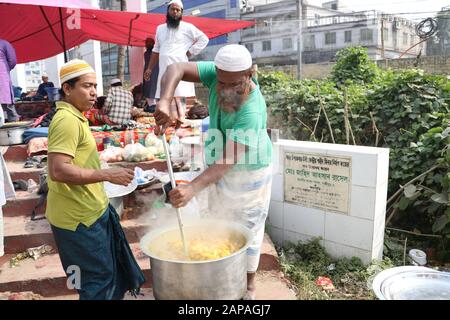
[299, 39]
[382, 38]
[121, 50]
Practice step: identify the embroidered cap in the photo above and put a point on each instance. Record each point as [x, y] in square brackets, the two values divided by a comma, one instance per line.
[73, 69]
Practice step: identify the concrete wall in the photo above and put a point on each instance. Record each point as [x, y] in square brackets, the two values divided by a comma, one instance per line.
[359, 233]
[201, 93]
[309, 71]
[431, 64]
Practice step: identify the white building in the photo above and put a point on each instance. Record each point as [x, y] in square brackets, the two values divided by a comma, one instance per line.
[28, 75]
[273, 40]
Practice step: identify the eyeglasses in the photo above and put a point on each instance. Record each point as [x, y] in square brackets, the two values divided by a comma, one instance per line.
[235, 85]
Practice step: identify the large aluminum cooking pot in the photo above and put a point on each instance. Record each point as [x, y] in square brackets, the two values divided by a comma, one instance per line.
[12, 133]
[221, 279]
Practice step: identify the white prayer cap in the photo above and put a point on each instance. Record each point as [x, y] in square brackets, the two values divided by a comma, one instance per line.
[44, 74]
[178, 2]
[233, 58]
[115, 80]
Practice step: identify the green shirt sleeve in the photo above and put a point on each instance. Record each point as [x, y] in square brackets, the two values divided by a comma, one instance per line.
[64, 135]
[207, 72]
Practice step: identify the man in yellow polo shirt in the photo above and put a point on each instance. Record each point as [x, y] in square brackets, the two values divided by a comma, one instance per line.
[91, 243]
[85, 203]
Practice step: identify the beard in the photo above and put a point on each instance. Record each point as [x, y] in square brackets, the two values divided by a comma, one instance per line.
[231, 102]
[173, 22]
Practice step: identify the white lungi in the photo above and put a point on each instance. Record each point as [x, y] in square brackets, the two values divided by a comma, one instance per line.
[244, 196]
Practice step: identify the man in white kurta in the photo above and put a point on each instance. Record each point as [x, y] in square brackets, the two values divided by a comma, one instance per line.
[176, 41]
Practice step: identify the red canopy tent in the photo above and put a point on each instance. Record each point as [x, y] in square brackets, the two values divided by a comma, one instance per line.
[39, 29]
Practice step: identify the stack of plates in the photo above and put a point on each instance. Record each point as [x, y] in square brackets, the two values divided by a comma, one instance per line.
[115, 190]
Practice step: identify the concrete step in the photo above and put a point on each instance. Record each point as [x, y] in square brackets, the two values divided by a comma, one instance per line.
[16, 153]
[45, 276]
[26, 201]
[23, 204]
[145, 294]
[21, 233]
[270, 285]
[17, 171]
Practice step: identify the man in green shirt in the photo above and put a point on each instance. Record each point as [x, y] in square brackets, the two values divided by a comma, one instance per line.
[85, 226]
[238, 149]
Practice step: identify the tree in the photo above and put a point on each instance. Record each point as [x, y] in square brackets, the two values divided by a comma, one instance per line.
[121, 50]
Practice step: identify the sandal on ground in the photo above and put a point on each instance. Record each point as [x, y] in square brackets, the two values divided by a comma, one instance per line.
[29, 164]
[42, 163]
[20, 185]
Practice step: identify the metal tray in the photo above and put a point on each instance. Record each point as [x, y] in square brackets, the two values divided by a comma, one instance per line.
[412, 283]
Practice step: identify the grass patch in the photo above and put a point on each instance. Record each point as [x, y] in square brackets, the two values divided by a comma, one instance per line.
[304, 263]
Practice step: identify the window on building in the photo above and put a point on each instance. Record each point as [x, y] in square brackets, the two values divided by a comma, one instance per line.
[249, 46]
[267, 45]
[287, 43]
[316, 18]
[109, 60]
[405, 38]
[251, 31]
[310, 42]
[385, 34]
[348, 36]
[330, 38]
[366, 35]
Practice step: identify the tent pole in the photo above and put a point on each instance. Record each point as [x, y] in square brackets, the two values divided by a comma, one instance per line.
[63, 43]
[62, 35]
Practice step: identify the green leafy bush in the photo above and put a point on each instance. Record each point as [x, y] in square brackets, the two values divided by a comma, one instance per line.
[406, 111]
[353, 64]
